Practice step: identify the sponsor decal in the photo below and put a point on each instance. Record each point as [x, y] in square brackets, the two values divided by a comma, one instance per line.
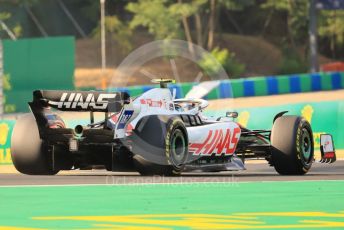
[329, 155]
[77, 100]
[298, 140]
[114, 120]
[217, 142]
[124, 118]
[152, 103]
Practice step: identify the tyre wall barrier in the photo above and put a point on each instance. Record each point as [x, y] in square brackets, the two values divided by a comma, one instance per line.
[325, 117]
[257, 86]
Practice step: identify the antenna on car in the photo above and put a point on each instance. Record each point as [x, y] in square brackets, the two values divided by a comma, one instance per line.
[163, 82]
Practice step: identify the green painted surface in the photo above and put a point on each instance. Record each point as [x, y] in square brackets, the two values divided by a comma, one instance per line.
[305, 82]
[42, 63]
[249, 205]
[326, 81]
[135, 91]
[340, 123]
[283, 84]
[260, 86]
[89, 88]
[214, 94]
[237, 88]
[186, 87]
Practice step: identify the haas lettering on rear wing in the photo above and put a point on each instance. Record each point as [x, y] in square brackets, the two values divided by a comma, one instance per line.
[79, 100]
[44, 100]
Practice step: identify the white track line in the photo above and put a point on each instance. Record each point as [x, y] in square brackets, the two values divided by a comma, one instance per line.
[149, 184]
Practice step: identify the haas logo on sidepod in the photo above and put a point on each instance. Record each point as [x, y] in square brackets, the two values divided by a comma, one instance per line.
[76, 100]
[218, 142]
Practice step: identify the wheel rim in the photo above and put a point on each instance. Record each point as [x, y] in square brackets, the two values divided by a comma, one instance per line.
[178, 147]
[306, 145]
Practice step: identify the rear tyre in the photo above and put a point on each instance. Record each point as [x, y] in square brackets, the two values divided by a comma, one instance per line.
[29, 154]
[176, 151]
[292, 145]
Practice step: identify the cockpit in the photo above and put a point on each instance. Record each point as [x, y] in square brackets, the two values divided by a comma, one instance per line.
[190, 105]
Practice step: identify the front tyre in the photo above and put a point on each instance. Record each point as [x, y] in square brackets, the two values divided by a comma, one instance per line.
[29, 154]
[175, 148]
[176, 143]
[292, 144]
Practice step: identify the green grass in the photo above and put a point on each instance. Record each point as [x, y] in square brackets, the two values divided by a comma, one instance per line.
[88, 206]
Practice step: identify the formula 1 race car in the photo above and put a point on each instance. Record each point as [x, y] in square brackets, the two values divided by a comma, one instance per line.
[154, 134]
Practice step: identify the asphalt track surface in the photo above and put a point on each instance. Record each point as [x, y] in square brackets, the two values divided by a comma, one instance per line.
[254, 172]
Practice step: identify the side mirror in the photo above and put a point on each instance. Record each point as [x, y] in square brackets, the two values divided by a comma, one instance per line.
[232, 114]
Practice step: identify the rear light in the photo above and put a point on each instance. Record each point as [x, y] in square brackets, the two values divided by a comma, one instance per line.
[73, 145]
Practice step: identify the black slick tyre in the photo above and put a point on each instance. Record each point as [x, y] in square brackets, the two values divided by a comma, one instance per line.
[175, 149]
[29, 155]
[292, 147]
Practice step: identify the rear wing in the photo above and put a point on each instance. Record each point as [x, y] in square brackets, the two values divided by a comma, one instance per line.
[92, 101]
[80, 100]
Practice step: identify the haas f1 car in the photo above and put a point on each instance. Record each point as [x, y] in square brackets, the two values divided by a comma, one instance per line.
[154, 134]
